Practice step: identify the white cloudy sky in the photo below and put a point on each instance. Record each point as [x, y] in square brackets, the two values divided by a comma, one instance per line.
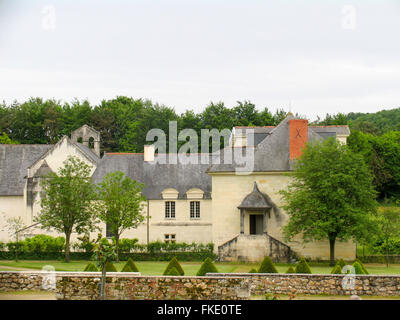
[318, 56]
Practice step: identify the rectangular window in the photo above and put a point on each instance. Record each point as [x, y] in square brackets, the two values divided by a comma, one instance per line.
[109, 233]
[170, 209]
[194, 209]
[169, 238]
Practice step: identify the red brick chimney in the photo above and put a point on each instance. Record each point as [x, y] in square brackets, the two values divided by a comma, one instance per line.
[298, 137]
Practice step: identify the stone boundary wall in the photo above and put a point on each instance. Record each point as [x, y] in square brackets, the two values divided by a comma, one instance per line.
[329, 284]
[230, 286]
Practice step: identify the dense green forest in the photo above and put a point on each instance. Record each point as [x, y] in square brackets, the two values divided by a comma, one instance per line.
[124, 122]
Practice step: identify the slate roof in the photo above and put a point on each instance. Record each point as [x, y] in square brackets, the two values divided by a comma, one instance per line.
[86, 150]
[256, 200]
[272, 153]
[157, 176]
[14, 161]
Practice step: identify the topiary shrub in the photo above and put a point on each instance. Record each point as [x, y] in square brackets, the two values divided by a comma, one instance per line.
[252, 270]
[127, 268]
[173, 272]
[131, 265]
[358, 268]
[362, 266]
[207, 266]
[341, 263]
[174, 263]
[336, 269]
[267, 266]
[302, 266]
[110, 267]
[90, 267]
[290, 270]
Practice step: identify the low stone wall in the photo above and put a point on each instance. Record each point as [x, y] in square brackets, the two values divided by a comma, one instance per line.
[24, 280]
[124, 286]
[230, 286]
[330, 284]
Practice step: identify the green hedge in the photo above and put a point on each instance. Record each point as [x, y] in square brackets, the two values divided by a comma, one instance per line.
[145, 256]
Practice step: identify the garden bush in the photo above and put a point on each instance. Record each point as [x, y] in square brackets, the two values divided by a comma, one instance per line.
[341, 263]
[131, 265]
[336, 269]
[128, 245]
[302, 266]
[127, 268]
[91, 267]
[174, 263]
[110, 267]
[252, 270]
[267, 266]
[290, 270]
[357, 268]
[173, 272]
[207, 266]
[362, 266]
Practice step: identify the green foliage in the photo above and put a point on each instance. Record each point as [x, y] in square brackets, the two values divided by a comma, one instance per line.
[317, 198]
[38, 244]
[173, 272]
[127, 268]
[128, 245]
[4, 139]
[132, 266]
[290, 270]
[341, 263]
[267, 266]
[174, 263]
[207, 267]
[66, 203]
[302, 266]
[104, 254]
[358, 268]
[110, 267]
[120, 203]
[253, 270]
[336, 269]
[91, 267]
[362, 266]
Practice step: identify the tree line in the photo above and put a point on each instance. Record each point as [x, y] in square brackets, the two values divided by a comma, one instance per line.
[123, 122]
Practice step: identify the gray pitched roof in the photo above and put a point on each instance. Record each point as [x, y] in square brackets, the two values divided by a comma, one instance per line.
[272, 153]
[156, 176]
[14, 161]
[256, 200]
[86, 150]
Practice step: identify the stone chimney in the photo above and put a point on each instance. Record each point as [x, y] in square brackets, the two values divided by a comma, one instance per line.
[298, 137]
[149, 153]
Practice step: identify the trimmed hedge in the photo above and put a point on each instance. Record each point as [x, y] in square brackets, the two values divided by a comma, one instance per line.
[172, 272]
[110, 267]
[207, 266]
[336, 269]
[140, 256]
[357, 268]
[290, 270]
[302, 266]
[131, 266]
[267, 266]
[174, 263]
[91, 267]
[362, 266]
[252, 270]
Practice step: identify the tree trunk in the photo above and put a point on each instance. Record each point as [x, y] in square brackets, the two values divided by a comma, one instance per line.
[332, 250]
[387, 253]
[117, 246]
[103, 283]
[67, 245]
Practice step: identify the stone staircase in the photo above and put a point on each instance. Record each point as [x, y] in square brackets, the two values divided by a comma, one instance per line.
[253, 248]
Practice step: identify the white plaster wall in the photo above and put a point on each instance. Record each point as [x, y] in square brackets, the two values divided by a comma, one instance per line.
[10, 207]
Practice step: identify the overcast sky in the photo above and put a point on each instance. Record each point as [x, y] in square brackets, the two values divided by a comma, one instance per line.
[317, 56]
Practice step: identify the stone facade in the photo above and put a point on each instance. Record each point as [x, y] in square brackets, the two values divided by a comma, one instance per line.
[230, 286]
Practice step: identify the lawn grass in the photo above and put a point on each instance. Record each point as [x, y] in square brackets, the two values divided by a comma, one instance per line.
[191, 268]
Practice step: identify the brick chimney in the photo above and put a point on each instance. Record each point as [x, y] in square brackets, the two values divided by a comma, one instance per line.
[298, 137]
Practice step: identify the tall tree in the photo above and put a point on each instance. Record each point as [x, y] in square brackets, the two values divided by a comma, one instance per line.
[120, 204]
[67, 200]
[330, 196]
